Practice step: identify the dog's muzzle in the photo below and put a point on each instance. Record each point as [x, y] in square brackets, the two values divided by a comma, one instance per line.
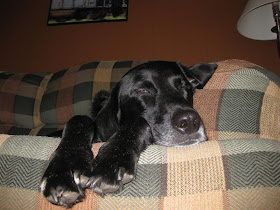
[185, 128]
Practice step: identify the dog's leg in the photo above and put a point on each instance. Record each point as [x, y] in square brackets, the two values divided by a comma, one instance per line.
[70, 166]
[116, 161]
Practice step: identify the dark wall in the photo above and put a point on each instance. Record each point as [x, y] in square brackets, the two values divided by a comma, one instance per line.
[189, 31]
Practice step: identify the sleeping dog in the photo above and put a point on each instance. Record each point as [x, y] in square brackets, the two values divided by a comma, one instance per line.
[151, 104]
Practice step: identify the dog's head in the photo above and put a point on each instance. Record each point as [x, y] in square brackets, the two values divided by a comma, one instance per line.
[161, 93]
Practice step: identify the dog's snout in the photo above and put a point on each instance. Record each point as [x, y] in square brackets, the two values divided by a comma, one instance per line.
[186, 122]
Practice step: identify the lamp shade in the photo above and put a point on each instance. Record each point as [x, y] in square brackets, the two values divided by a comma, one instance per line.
[257, 20]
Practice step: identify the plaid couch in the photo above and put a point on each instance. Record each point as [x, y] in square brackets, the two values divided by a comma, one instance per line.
[238, 168]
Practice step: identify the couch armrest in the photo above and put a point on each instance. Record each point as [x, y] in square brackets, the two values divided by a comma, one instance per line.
[241, 100]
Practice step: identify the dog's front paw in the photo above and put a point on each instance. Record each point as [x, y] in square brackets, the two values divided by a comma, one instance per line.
[70, 167]
[112, 169]
[62, 184]
[63, 188]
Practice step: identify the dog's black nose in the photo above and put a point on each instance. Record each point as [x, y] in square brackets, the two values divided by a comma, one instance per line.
[186, 122]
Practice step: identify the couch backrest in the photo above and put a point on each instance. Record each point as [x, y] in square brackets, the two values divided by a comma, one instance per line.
[241, 100]
[20, 100]
[52, 99]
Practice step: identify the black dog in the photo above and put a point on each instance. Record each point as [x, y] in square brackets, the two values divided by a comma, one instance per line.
[152, 104]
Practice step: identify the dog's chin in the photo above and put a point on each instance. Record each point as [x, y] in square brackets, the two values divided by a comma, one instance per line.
[174, 138]
[189, 143]
[182, 143]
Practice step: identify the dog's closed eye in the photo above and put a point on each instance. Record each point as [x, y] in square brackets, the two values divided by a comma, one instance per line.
[142, 91]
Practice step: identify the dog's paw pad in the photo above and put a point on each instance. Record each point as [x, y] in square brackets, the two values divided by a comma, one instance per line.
[81, 179]
[124, 177]
[64, 195]
[127, 178]
[64, 198]
[102, 185]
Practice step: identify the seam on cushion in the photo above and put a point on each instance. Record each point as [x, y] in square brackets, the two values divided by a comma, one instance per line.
[40, 92]
[35, 131]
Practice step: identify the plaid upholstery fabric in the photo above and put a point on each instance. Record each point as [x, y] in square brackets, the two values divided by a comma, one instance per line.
[70, 91]
[240, 107]
[21, 95]
[226, 174]
[241, 100]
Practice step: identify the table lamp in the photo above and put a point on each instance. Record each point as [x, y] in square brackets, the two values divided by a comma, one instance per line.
[260, 20]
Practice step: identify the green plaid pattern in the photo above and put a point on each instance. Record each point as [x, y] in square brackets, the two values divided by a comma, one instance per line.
[225, 174]
[70, 91]
[21, 95]
[235, 102]
[241, 100]
[240, 107]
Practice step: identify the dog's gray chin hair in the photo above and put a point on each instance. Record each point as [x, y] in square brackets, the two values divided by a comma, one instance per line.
[183, 140]
[190, 144]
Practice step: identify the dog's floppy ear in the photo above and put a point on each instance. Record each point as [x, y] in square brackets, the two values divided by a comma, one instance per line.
[199, 74]
[106, 120]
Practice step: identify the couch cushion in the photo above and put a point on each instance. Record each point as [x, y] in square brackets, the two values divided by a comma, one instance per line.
[70, 90]
[21, 95]
[241, 100]
[226, 174]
